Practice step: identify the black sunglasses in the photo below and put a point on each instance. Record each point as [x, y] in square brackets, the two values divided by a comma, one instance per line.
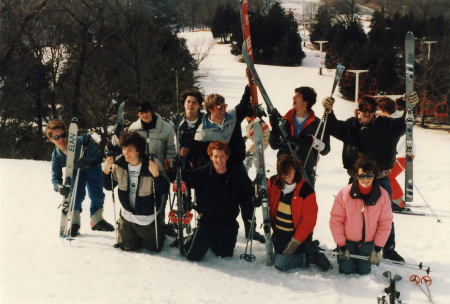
[57, 137]
[363, 176]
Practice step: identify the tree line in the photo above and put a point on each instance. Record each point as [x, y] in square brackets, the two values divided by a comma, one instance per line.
[60, 59]
[381, 50]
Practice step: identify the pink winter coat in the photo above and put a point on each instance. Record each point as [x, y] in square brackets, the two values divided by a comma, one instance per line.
[349, 216]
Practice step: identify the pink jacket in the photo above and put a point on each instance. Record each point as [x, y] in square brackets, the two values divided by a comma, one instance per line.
[349, 216]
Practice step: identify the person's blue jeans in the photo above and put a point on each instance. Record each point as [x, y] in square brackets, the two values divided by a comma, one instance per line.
[356, 265]
[284, 262]
[92, 179]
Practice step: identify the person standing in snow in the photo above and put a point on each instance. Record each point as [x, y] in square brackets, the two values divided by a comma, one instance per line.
[293, 213]
[138, 179]
[90, 176]
[387, 107]
[221, 191]
[301, 124]
[361, 219]
[250, 157]
[188, 123]
[375, 138]
[220, 124]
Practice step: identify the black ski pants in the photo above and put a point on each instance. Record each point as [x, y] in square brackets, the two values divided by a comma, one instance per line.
[220, 238]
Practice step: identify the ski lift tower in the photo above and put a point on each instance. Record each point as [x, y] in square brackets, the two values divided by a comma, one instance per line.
[357, 72]
[320, 58]
[429, 47]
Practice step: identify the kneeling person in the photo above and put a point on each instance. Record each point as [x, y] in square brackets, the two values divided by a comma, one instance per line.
[293, 214]
[221, 189]
[137, 178]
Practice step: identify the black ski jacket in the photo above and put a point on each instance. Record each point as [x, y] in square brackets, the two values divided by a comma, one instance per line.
[219, 196]
[376, 140]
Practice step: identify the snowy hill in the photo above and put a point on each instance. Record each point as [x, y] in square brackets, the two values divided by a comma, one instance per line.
[37, 266]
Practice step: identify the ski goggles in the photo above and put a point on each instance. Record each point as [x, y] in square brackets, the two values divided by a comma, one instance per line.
[366, 107]
[220, 107]
[57, 137]
[363, 176]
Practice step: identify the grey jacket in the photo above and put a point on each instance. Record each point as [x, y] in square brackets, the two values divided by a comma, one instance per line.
[160, 140]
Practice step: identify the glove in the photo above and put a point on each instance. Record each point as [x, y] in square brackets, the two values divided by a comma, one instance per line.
[274, 118]
[327, 103]
[176, 162]
[413, 98]
[291, 247]
[82, 163]
[375, 256]
[344, 254]
[64, 191]
[256, 235]
[246, 96]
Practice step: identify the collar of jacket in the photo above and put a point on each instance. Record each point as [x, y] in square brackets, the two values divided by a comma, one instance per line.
[290, 115]
[158, 125]
[181, 119]
[274, 180]
[121, 162]
[206, 124]
[374, 195]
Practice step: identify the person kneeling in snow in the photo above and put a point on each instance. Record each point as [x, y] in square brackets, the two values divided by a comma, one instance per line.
[221, 189]
[138, 179]
[361, 219]
[293, 215]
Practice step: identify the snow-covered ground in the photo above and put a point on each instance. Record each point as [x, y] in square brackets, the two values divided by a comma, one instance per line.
[36, 266]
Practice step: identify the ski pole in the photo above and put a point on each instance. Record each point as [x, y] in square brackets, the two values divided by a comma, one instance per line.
[114, 203]
[421, 195]
[339, 70]
[249, 257]
[416, 280]
[384, 261]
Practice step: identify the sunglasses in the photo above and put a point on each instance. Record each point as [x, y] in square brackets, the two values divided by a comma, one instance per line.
[363, 176]
[367, 107]
[57, 137]
[220, 107]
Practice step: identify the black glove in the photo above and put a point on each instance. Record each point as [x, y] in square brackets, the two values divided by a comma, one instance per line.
[256, 235]
[82, 163]
[274, 121]
[176, 162]
[64, 191]
[246, 96]
[344, 254]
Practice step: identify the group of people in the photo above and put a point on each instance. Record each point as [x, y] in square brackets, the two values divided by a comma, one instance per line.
[211, 150]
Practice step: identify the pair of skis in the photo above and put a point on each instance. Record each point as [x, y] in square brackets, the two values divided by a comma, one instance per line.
[253, 83]
[68, 205]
